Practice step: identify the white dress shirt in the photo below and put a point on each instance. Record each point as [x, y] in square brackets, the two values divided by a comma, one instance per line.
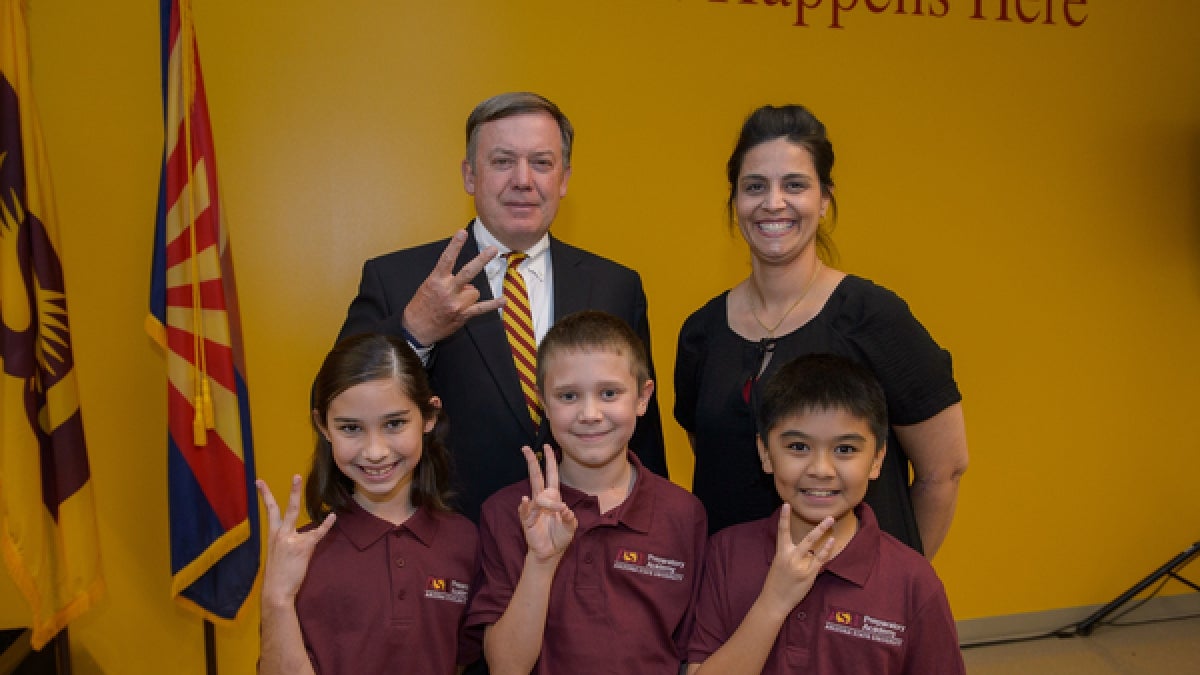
[535, 269]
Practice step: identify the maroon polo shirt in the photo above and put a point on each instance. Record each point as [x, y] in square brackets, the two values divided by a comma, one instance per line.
[622, 595]
[382, 598]
[877, 607]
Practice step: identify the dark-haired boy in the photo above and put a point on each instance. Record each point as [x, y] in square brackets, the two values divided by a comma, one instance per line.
[765, 604]
[591, 568]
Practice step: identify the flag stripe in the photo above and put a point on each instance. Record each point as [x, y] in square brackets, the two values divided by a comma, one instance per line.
[212, 295]
[182, 345]
[65, 468]
[211, 465]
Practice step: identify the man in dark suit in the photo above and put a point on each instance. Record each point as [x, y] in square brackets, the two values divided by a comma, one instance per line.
[446, 297]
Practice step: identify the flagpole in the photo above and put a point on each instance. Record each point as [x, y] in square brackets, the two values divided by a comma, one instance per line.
[210, 648]
[62, 653]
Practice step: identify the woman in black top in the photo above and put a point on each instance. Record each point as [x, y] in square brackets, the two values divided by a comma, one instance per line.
[793, 303]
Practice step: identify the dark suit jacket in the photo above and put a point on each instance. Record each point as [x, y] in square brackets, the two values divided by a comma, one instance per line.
[472, 370]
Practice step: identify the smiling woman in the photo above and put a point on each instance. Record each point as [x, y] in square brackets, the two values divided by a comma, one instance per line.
[795, 303]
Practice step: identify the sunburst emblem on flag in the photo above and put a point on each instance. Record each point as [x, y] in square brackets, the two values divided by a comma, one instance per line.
[34, 328]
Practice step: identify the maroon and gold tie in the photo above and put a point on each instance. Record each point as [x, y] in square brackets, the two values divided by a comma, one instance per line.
[518, 326]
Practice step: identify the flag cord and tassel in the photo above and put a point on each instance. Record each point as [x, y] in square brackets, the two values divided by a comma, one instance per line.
[204, 418]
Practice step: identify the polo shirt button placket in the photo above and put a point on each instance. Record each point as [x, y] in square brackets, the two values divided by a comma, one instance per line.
[587, 558]
[800, 616]
[399, 562]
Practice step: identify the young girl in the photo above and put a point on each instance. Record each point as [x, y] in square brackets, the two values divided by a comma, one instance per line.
[381, 584]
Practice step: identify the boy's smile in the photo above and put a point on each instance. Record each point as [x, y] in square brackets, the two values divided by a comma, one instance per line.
[822, 461]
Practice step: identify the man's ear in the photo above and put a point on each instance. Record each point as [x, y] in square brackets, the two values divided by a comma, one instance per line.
[562, 186]
[468, 174]
[763, 455]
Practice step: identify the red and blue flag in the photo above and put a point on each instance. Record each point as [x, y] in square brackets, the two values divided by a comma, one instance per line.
[194, 318]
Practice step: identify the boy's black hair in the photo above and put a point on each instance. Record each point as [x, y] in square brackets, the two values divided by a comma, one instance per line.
[820, 382]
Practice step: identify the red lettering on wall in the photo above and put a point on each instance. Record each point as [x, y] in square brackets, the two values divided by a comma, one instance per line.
[1067, 16]
[1029, 11]
[801, 5]
[1024, 12]
[838, 8]
[1021, 11]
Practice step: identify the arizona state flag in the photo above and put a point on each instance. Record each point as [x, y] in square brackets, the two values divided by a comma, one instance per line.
[47, 512]
[194, 317]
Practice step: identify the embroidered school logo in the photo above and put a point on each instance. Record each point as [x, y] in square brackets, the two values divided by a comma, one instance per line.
[449, 590]
[649, 564]
[865, 627]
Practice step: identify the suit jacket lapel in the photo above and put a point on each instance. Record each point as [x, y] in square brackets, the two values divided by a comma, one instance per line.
[572, 286]
[487, 333]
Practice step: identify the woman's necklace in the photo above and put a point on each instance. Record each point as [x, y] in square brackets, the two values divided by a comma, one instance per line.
[795, 303]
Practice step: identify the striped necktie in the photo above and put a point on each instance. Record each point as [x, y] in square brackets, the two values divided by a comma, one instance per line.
[518, 326]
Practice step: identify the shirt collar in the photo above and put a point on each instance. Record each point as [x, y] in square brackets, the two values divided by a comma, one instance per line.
[535, 263]
[636, 512]
[857, 560]
[363, 529]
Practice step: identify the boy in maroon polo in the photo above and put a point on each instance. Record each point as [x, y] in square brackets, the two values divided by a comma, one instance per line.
[593, 567]
[765, 604]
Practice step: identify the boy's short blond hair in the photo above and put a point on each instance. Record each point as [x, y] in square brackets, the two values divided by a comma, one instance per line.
[592, 330]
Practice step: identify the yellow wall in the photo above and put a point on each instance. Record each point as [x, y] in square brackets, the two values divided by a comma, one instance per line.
[1031, 190]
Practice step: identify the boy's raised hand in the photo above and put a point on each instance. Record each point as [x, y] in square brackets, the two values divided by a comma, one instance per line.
[288, 551]
[549, 525]
[796, 566]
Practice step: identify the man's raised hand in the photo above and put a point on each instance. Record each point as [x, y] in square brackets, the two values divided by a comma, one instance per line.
[446, 300]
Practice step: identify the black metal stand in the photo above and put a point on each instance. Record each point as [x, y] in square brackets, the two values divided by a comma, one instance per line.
[62, 653]
[210, 648]
[1170, 569]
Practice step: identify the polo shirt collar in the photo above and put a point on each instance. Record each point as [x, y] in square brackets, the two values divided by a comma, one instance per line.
[637, 511]
[857, 561]
[363, 529]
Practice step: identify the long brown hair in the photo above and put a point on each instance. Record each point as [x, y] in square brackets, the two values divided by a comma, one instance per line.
[366, 358]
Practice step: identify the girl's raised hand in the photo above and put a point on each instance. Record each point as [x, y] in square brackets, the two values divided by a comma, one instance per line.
[288, 551]
[548, 524]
